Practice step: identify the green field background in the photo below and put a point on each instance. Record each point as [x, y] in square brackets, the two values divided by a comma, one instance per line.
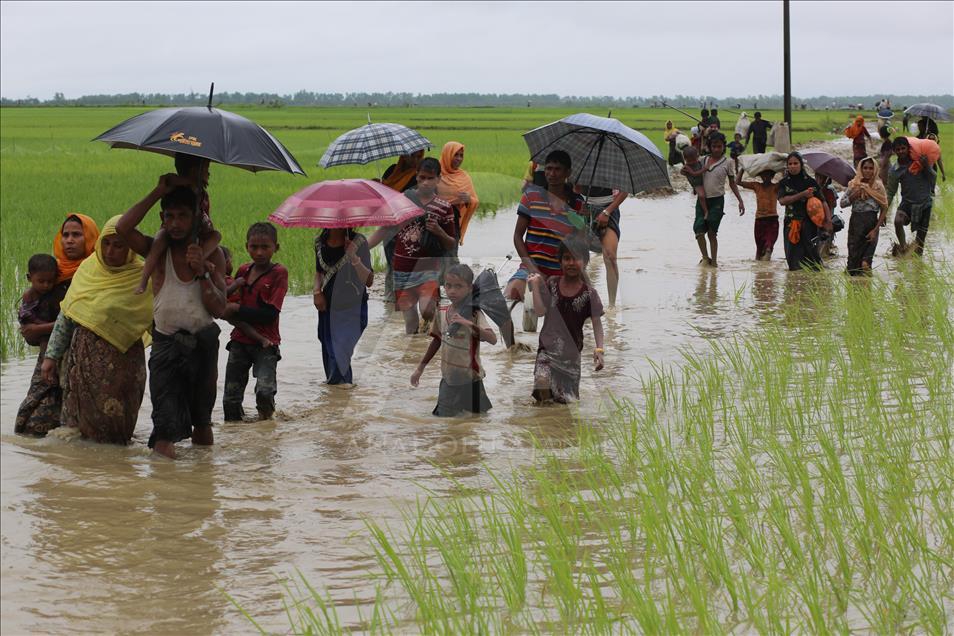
[50, 168]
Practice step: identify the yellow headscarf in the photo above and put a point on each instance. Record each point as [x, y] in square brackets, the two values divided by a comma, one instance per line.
[454, 181]
[671, 131]
[874, 188]
[101, 297]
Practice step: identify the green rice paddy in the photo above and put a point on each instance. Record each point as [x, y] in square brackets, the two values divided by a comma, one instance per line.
[49, 168]
[797, 479]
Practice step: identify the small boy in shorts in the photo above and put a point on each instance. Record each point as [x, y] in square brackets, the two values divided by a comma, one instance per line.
[255, 339]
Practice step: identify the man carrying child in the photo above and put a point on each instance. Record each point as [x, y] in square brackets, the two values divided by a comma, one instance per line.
[189, 293]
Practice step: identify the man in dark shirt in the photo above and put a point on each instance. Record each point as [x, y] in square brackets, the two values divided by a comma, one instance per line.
[758, 132]
[917, 195]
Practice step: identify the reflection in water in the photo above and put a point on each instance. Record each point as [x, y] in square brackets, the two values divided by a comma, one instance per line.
[706, 297]
[108, 539]
[764, 289]
[123, 540]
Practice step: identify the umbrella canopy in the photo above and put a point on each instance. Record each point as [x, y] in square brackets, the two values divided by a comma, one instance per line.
[203, 131]
[605, 153]
[932, 111]
[487, 297]
[836, 168]
[372, 142]
[345, 203]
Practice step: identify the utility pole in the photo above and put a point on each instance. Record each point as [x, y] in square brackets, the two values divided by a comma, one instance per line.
[788, 66]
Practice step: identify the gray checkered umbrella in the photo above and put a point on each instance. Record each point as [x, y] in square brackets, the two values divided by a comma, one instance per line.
[372, 142]
[932, 111]
[605, 153]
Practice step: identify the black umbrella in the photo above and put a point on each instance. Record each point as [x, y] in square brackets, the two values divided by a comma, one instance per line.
[203, 131]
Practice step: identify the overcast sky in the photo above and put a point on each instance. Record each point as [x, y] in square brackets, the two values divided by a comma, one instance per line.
[616, 48]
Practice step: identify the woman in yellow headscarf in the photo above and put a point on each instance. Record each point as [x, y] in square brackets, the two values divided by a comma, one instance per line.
[455, 185]
[39, 412]
[101, 331]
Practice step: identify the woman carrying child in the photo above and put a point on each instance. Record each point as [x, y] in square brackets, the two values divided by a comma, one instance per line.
[98, 340]
[567, 301]
[39, 412]
[458, 330]
[343, 275]
[869, 208]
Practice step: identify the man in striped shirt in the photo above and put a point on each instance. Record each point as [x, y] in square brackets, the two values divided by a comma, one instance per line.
[544, 218]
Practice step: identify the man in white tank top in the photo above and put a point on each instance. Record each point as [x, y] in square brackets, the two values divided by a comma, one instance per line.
[189, 293]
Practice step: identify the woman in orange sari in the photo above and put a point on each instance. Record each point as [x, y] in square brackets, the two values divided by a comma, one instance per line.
[39, 412]
[456, 186]
[402, 175]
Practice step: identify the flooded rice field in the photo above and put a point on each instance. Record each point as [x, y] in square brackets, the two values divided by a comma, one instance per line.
[109, 539]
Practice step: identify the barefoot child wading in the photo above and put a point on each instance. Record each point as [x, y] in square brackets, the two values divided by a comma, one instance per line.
[259, 306]
[717, 169]
[458, 337]
[567, 301]
[766, 214]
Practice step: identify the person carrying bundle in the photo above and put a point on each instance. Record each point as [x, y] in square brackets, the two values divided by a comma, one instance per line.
[917, 195]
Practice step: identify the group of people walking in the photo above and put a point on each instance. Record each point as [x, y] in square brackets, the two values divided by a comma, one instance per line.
[105, 294]
[809, 201]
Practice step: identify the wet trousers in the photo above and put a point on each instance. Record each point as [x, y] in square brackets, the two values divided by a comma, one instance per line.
[263, 362]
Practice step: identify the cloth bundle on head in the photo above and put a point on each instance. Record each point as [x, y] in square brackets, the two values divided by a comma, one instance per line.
[101, 297]
[855, 129]
[922, 148]
[455, 181]
[742, 125]
[402, 174]
[874, 188]
[66, 266]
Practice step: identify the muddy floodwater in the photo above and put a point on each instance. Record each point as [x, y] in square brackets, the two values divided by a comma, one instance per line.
[109, 539]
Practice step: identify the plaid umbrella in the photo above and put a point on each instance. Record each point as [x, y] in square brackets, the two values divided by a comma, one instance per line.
[372, 142]
[605, 153]
[932, 111]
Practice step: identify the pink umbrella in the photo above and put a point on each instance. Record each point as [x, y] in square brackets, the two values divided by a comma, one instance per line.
[345, 203]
